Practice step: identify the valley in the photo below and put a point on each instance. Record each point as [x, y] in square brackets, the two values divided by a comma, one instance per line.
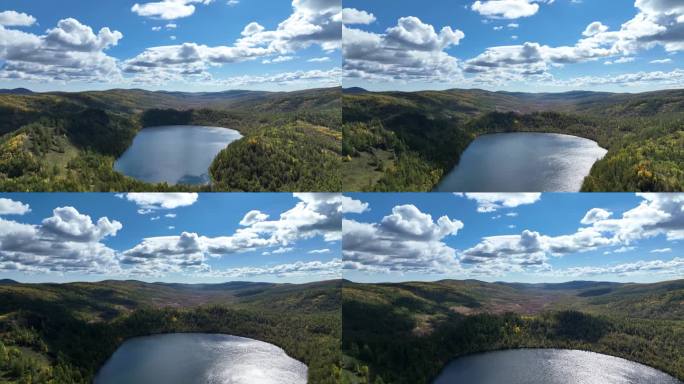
[409, 141]
[39, 322]
[70, 141]
[409, 332]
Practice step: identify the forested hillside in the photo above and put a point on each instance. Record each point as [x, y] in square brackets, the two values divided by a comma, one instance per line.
[408, 141]
[408, 332]
[69, 141]
[63, 333]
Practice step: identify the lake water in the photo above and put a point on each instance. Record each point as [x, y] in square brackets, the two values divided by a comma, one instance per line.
[196, 358]
[523, 162]
[549, 366]
[176, 154]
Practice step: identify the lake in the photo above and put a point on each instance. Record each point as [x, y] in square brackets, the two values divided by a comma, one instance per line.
[523, 162]
[176, 154]
[197, 358]
[549, 366]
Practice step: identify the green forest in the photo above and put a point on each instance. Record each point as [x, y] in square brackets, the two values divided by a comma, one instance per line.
[407, 141]
[70, 141]
[63, 333]
[408, 332]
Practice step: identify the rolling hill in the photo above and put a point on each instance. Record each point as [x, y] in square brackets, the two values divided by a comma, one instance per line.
[69, 141]
[407, 332]
[407, 141]
[63, 333]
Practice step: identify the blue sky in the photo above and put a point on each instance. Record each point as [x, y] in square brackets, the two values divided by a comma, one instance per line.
[188, 45]
[170, 237]
[549, 237]
[514, 45]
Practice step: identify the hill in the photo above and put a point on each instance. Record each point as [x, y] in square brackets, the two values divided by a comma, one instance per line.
[63, 333]
[407, 141]
[407, 332]
[69, 141]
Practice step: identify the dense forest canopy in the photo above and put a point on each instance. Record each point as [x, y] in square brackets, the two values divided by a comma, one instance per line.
[63, 333]
[408, 332]
[407, 141]
[69, 141]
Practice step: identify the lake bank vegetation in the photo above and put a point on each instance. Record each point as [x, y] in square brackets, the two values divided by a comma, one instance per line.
[63, 333]
[70, 141]
[408, 332]
[407, 141]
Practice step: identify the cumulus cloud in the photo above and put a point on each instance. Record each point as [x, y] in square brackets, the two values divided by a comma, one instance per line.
[67, 242]
[11, 207]
[411, 50]
[16, 19]
[252, 217]
[149, 202]
[354, 16]
[491, 202]
[594, 215]
[70, 51]
[657, 23]
[318, 214]
[168, 9]
[312, 22]
[507, 9]
[661, 250]
[407, 240]
[656, 215]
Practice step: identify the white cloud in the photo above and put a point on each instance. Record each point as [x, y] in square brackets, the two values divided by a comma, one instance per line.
[149, 202]
[661, 61]
[407, 240]
[252, 217]
[168, 9]
[67, 242]
[594, 215]
[332, 269]
[656, 215]
[70, 51]
[170, 215]
[319, 251]
[278, 251]
[323, 59]
[412, 50]
[312, 22]
[278, 59]
[491, 202]
[16, 19]
[318, 214]
[354, 16]
[674, 267]
[11, 207]
[621, 60]
[594, 28]
[661, 250]
[506, 9]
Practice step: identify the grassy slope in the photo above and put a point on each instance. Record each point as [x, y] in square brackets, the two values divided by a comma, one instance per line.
[641, 131]
[386, 324]
[309, 119]
[61, 324]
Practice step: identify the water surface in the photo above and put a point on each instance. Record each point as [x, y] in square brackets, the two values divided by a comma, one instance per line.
[549, 366]
[197, 358]
[177, 154]
[523, 162]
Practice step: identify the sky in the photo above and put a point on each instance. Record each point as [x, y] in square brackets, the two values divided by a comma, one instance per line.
[514, 45]
[184, 45]
[514, 237]
[171, 237]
